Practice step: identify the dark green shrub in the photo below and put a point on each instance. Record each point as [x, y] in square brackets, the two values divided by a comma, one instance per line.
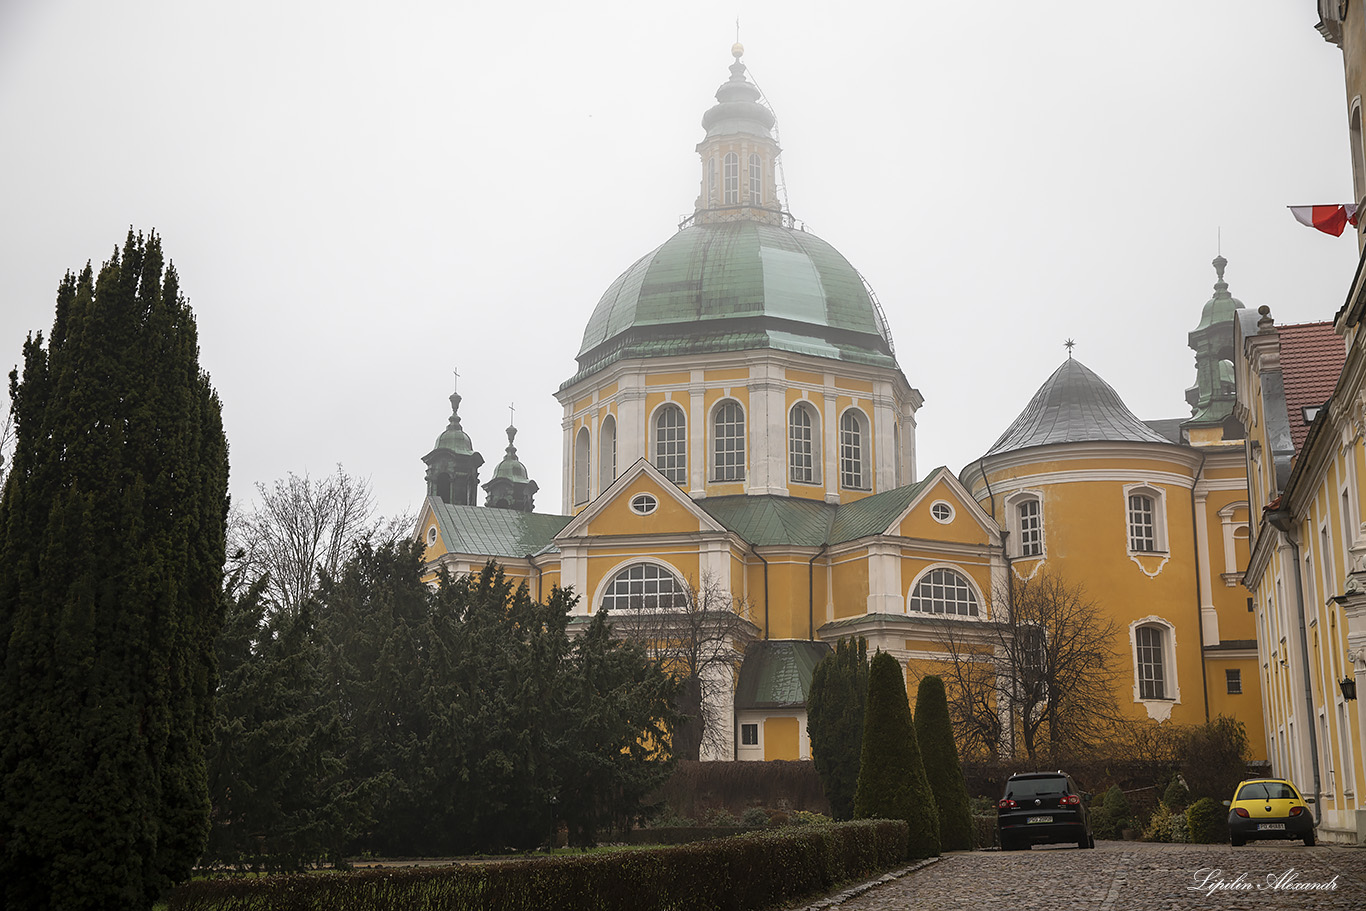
[720, 816]
[943, 771]
[891, 780]
[1176, 796]
[1112, 814]
[834, 712]
[747, 871]
[1207, 822]
[754, 816]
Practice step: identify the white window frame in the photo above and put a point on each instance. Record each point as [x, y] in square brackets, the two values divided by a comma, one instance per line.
[1171, 684]
[804, 452]
[651, 571]
[747, 727]
[756, 180]
[1015, 522]
[1158, 517]
[854, 455]
[607, 452]
[670, 449]
[730, 171]
[583, 465]
[728, 441]
[934, 576]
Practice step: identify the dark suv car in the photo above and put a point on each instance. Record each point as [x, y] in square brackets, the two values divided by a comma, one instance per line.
[1042, 808]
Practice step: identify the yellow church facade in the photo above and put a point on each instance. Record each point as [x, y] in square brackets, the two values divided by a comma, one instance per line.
[739, 430]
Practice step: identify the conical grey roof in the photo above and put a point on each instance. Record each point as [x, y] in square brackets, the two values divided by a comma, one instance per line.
[1074, 406]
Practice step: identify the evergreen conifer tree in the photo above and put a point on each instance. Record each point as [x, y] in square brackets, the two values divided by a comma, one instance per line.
[934, 731]
[891, 780]
[834, 721]
[111, 568]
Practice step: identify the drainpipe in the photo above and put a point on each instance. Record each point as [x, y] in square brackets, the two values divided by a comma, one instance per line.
[537, 570]
[1005, 536]
[1284, 522]
[765, 562]
[811, 593]
[1199, 608]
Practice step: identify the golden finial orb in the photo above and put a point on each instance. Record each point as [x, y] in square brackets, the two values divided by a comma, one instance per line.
[737, 50]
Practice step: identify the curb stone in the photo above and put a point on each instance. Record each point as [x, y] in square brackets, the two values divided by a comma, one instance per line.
[855, 891]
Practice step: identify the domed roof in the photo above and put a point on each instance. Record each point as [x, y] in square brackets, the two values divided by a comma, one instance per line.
[1074, 406]
[734, 286]
[511, 467]
[454, 438]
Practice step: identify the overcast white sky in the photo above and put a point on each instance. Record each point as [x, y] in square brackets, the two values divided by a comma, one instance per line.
[362, 197]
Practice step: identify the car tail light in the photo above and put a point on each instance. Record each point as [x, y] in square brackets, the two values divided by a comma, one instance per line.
[1296, 811]
[1071, 800]
[1241, 812]
[1005, 803]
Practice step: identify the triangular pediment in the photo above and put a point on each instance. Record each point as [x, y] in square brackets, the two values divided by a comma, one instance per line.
[641, 502]
[963, 522]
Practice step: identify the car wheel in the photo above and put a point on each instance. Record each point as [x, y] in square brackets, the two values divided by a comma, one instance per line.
[1237, 840]
[1309, 839]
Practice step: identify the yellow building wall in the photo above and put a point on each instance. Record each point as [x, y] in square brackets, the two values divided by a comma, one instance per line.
[670, 517]
[781, 739]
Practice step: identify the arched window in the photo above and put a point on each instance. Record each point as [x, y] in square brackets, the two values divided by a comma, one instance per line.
[731, 170]
[944, 591]
[803, 450]
[854, 473]
[1150, 657]
[644, 586]
[581, 465]
[607, 453]
[671, 444]
[756, 181]
[729, 442]
[1142, 527]
[711, 180]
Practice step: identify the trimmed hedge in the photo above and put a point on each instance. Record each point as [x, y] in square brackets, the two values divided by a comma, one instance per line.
[744, 872]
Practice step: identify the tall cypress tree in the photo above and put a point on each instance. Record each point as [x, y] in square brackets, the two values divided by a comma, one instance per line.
[891, 778]
[111, 560]
[934, 731]
[834, 721]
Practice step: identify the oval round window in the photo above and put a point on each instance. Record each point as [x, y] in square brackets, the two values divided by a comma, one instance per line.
[644, 504]
[942, 512]
[431, 536]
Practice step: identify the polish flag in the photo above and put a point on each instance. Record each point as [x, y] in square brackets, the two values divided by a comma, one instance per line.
[1328, 219]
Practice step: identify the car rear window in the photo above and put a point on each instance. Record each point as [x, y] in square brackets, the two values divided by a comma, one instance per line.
[1267, 790]
[1035, 787]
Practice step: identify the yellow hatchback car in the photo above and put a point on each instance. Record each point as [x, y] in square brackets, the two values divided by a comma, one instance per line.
[1268, 808]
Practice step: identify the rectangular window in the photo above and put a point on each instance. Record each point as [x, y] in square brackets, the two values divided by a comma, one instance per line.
[1150, 676]
[1031, 529]
[731, 175]
[749, 735]
[801, 449]
[1234, 679]
[756, 181]
[1142, 528]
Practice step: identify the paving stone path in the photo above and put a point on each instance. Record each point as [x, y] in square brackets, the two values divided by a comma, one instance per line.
[1130, 876]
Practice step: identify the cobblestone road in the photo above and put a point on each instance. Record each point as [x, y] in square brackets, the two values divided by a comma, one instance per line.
[1130, 875]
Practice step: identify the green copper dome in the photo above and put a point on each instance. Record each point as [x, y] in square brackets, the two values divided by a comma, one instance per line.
[511, 467]
[454, 438]
[736, 286]
[1219, 308]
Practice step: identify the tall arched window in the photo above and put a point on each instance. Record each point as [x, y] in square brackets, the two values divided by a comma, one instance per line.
[711, 180]
[644, 586]
[731, 171]
[803, 456]
[1030, 531]
[728, 450]
[944, 591]
[607, 453]
[581, 467]
[1150, 649]
[854, 473]
[756, 181]
[671, 444]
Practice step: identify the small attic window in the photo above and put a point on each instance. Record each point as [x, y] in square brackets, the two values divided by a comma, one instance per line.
[942, 512]
[431, 536]
[644, 504]
[1310, 412]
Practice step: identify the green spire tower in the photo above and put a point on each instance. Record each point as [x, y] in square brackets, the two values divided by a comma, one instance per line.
[510, 488]
[453, 465]
[1212, 397]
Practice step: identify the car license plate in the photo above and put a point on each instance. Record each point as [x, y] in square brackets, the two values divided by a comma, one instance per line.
[1271, 827]
[1034, 819]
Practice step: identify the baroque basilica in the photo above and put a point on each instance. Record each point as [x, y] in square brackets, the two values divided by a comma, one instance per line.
[739, 424]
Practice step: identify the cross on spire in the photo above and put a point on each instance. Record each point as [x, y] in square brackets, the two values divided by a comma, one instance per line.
[457, 380]
[512, 412]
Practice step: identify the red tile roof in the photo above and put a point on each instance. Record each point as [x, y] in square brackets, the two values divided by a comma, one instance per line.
[1312, 355]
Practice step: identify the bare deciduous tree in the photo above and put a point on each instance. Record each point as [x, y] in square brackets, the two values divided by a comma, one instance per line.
[698, 635]
[302, 526]
[7, 433]
[1040, 675]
